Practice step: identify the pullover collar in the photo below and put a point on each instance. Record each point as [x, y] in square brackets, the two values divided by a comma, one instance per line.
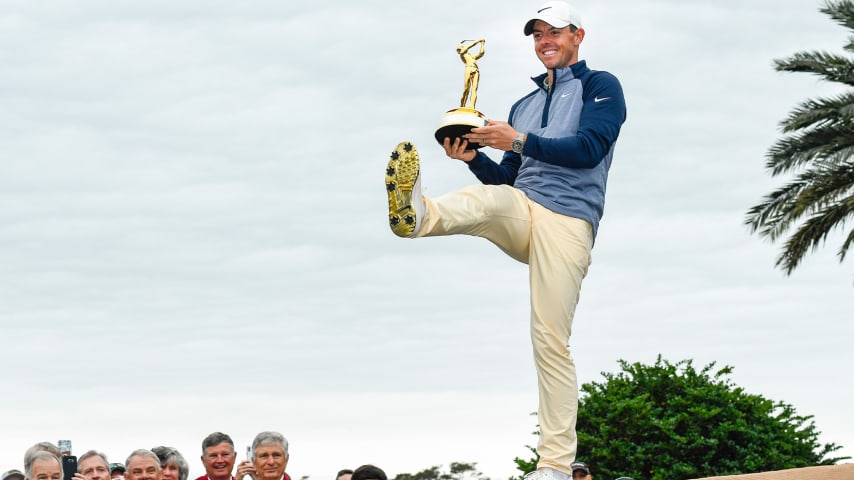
[562, 75]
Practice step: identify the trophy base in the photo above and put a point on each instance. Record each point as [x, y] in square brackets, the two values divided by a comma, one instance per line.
[458, 122]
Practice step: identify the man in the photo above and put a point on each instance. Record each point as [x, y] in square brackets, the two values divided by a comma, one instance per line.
[541, 205]
[218, 457]
[268, 460]
[39, 447]
[44, 465]
[12, 475]
[344, 474]
[92, 465]
[142, 465]
[369, 472]
[580, 471]
[117, 471]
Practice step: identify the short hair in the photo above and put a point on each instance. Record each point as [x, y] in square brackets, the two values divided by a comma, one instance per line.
[93, 453]
[39, 447]
[39, 455]
[169, 455]
[144, 454]
[270, 438]
[215, 439]
[369, 472]
[343, 472]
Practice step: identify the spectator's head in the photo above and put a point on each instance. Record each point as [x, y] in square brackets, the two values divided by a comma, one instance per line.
[580, 471]
[270, 455]
[94, 466]
[142, 465]
[172, 463]
[39, 447]
[12, 475]
[368, 472]
[345, 474]
[117, 471]
[44, 465]
[218, 456]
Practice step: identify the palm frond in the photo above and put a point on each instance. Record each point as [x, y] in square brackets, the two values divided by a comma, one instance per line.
[831, 143]
[818, 112]
[845, 246]
[818, 146]
[840, 11]
[813, 234]
[814, 193]
[834, 68]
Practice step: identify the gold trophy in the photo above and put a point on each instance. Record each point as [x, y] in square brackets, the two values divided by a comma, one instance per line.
[459, 121]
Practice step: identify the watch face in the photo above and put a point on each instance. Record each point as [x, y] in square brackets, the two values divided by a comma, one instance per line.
[518, 144]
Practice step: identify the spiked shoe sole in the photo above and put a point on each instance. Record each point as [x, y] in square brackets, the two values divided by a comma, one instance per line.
[401, 174]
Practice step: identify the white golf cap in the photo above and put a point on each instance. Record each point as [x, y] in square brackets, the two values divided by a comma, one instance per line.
[556, 14]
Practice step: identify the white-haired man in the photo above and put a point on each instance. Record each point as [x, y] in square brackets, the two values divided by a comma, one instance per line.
[142, 465]
[44, 465]
[39, 447]
[268, 459]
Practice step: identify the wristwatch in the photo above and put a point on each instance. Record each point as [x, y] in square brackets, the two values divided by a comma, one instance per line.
[519, 143]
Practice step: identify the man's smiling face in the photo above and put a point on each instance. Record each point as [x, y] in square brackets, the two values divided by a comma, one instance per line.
[219, 461]
[556, 47]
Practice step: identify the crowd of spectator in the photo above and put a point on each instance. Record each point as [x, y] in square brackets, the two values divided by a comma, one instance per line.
[266, 459]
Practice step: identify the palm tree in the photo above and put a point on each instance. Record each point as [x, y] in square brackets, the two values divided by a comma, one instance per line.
[818, 149]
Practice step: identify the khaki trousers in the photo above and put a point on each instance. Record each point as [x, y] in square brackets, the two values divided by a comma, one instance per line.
[557, 250]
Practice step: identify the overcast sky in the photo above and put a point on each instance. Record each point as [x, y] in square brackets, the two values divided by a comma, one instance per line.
[193, 226]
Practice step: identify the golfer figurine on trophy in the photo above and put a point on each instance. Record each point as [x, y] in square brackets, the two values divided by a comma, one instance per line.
[459, 121]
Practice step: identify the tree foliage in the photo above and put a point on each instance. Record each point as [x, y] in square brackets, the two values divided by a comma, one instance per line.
[671, 421]
[817, 150]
